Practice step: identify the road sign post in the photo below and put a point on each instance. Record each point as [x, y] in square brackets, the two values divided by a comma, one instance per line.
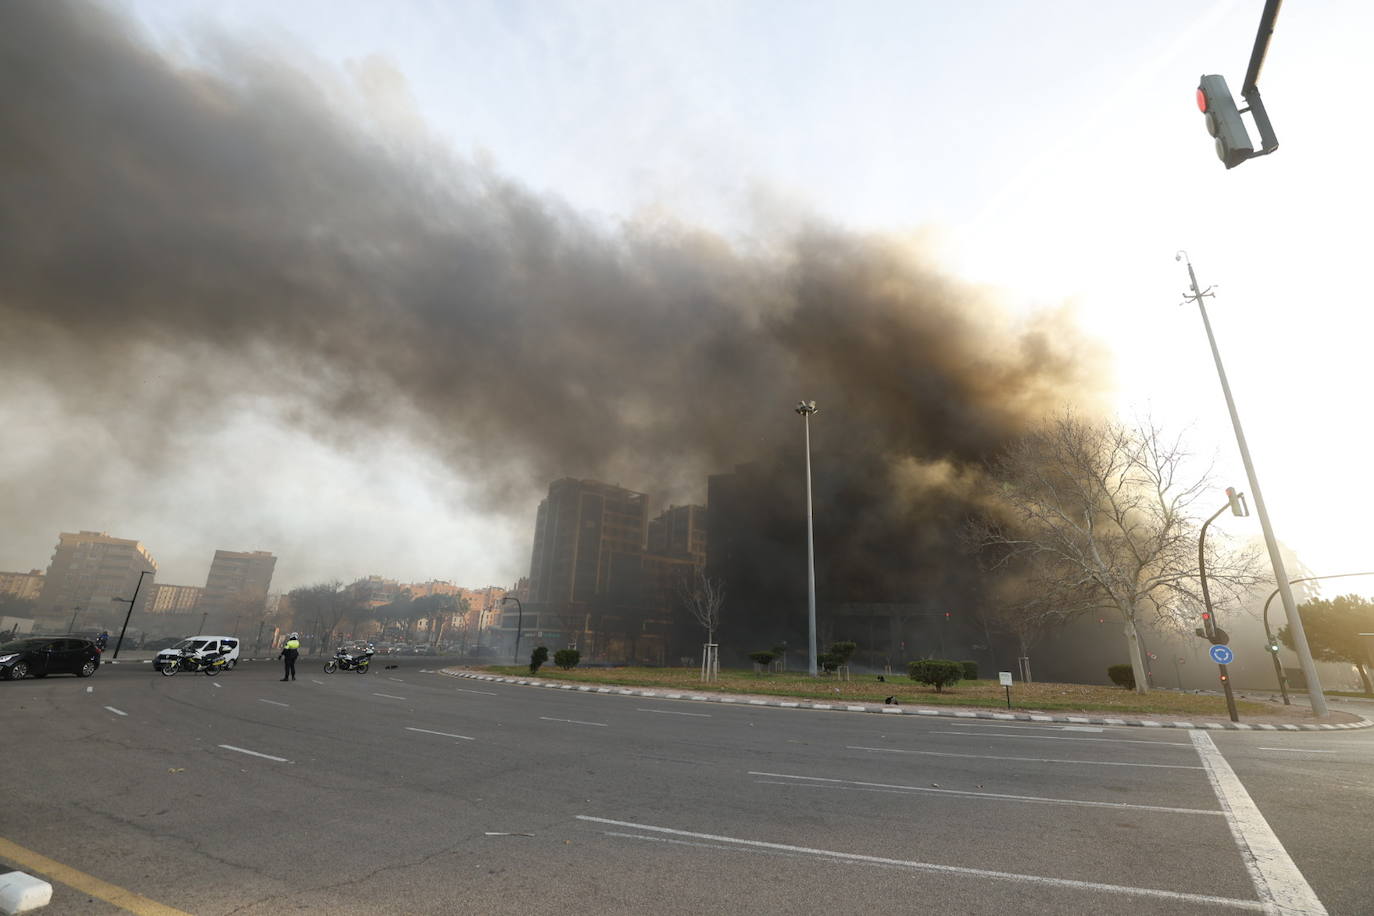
[1004, 678]
[1223, 656]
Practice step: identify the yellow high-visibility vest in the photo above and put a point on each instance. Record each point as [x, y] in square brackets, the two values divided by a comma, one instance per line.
[293, 644]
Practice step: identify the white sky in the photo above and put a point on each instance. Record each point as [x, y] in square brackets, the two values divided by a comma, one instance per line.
[1050, 151]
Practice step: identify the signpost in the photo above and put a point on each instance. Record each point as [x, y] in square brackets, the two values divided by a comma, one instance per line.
[1004, 678]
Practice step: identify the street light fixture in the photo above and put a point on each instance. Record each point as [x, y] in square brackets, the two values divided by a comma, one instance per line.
[1271, 643]
[1210, 630]
[806, 409]
[519, 623]
[131, 610]
[1309, 668]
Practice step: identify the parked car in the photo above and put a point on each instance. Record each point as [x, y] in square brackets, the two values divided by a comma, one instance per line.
[41, 656]
[202, 646]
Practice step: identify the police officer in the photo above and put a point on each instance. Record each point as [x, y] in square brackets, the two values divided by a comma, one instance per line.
[289, 651]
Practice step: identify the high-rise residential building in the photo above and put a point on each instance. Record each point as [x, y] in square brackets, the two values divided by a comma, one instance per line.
[93, 571]
[579, 529]
[679, 532]
[22, 585]
[175, 599]
[238, 584]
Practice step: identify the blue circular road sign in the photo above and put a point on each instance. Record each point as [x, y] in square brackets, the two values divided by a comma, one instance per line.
[1222, 655]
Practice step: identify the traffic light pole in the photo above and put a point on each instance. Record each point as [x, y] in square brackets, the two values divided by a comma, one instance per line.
[1309, 668]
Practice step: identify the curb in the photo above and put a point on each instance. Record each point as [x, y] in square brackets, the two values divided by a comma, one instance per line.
[912, 710]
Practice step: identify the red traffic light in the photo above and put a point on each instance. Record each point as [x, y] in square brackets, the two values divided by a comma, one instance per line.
[1206, 615]
[1201, 101]
[1223, 677]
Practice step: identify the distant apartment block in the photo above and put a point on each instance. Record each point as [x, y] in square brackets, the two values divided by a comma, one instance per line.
[22, 585]
[238, 583]
[175, 599]
[91, 569]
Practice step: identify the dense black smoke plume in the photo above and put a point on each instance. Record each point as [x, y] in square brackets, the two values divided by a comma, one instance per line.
[242, 228]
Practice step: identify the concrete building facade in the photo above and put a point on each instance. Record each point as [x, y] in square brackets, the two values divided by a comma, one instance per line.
[93, 571]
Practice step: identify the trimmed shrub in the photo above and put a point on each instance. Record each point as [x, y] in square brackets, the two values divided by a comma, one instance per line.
[762, 659]
[827, 661]
[936, 672]
[970, 670]
[1122, 676]
[567, 659]
[537, 658]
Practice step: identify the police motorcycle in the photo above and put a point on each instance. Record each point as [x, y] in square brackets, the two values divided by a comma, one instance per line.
[345, 661]
[190, 660]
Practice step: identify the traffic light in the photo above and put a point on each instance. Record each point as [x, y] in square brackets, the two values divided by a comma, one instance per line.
[1223, 120]
[1237, 500]
[1211, 632]
[1273, 646]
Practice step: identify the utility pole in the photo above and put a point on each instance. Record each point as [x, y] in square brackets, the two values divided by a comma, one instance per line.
[1309, 668]
[806, 409]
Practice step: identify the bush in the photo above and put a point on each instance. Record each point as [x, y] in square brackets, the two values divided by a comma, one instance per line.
[970, 671]
[827, 661]
[1122, 676]
[567, 659]
[763, 659]
[936, 672]
[537, 658]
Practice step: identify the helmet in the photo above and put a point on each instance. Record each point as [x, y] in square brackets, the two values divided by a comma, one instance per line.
[294, 636]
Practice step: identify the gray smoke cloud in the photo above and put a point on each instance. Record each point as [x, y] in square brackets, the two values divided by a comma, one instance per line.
[183, 237]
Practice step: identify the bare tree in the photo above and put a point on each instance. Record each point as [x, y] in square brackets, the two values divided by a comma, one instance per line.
[322, 607]
[1099, 516]
[703, 597]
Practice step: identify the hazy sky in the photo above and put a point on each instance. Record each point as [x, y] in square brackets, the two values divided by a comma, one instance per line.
[1033, 156]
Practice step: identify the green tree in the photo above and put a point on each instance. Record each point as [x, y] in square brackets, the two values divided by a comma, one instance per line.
[1333, 631]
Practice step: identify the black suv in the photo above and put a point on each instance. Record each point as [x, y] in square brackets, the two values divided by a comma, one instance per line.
[44, 655]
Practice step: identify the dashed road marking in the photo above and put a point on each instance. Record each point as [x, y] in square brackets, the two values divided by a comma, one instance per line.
[575, 722]
[1296, 750]
[820, 782]
[244, 750]
[674, 712]
[118, 712]
[445, 734]
[1067, 738]
[273, 702]
[389, 696]
[1090, 763]
[833, 855]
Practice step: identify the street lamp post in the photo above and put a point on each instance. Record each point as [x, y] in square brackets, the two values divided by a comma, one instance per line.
[806, 409]
[1233, 505]
[76, 612]
[131, 610]
[1309, 668]
[519, 623]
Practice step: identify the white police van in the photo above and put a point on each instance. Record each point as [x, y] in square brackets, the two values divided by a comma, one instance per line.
[203, 646]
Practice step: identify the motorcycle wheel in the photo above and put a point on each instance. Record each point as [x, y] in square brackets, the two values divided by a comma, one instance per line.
[170, 668]
[361, 669]
[331, 666]
[211, 670]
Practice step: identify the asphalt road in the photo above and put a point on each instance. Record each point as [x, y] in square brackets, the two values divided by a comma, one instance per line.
[405, 791]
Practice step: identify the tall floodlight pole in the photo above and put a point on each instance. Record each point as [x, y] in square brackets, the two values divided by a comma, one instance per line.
[519, 623]
[1309, 668]
[806, 409]
[132, 601]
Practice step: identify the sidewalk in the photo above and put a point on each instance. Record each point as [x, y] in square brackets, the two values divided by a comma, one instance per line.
[1337, 721]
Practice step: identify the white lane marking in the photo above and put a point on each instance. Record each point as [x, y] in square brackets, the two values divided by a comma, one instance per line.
[1083, 728]
[90, 690]
[217, 684]
[389, 696]
[978, 723]
[273, 702]
[674, 712]
[1093, 763]
[244, 750]
[313, 681]
[1066, 738]
[395, 679]
[118, 712]
[1281, 887]
[575, 722]
[1297, 750]
[445, 734]
[485, 693]
[940, 869]
[997, 796]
